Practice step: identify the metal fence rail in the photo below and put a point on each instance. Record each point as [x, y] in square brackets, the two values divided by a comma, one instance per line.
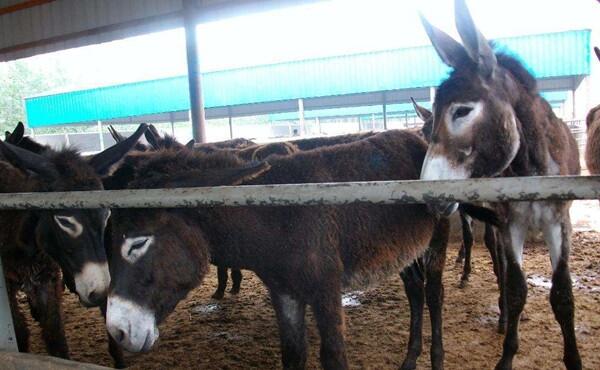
[379, 192]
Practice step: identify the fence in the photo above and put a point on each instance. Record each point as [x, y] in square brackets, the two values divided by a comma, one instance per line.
[381, 192]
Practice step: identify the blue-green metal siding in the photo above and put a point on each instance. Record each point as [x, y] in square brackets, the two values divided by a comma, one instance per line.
[547, 55]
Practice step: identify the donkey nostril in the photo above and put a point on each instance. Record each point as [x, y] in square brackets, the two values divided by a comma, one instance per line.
[120, 335]
[94, 297]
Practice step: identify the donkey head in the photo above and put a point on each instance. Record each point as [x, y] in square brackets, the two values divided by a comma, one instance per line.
[74, 238]
[475, 130]
[157, 256]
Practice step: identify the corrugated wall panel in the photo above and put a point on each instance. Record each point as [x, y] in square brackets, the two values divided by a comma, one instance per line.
[553, 55]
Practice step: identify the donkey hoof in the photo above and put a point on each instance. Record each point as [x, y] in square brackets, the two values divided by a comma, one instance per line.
[463, 283]
[234, 291]
[408, 365]
[218, 295]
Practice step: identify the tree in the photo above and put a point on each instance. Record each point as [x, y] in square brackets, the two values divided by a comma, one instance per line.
[19, 79]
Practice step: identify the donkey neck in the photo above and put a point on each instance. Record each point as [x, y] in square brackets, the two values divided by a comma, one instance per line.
[535, 119]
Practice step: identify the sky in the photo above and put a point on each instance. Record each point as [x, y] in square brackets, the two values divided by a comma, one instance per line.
[315, 30]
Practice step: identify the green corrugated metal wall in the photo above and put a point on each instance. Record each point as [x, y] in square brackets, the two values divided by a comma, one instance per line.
[547, 55]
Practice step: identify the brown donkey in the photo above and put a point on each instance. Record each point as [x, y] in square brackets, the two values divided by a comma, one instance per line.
[592, 149]
[489, 120]
[35, 244]
[304, 255]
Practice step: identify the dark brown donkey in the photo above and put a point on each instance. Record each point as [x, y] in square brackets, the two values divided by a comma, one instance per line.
[592, 148]
[489, 121]
[304, 255]
[36, 243]
[262, 152]
[464, 255]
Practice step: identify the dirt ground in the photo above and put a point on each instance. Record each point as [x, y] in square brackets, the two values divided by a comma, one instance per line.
[240, 332]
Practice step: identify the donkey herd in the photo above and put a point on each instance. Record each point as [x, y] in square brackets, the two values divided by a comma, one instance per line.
[488, 120]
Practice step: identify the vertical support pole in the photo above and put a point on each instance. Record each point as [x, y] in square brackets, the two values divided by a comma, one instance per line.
[100, 135]
[8, 341]
[431, 94]
[573, 107]
[196, 101]
[172, 122]
[385, 111]
[230, 122]
[32, 133]
[67, 141]
[301, 116]
[373, 121]
[319, 125]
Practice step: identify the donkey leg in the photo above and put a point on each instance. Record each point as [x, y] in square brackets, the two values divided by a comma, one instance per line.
[290, 314]
[493, 246]
[236, 277]
[113, 348]
[515, 289]
[221, 282]
[558, 237]
[45, 301]
[19, 321]
[414, 286]
[434, 289]
[327, 307]
[467, 231]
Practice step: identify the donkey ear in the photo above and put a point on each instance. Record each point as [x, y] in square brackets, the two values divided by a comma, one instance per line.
[17, 135]
[115, 134]
[476, 45]
[190, 144]
[102, 161]
[597, 51]
[423, 113]
[449, 50]
[152, 137]
[28, 161]
[237, 176]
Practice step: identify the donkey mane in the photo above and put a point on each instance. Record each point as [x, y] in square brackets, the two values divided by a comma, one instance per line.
[456, 82]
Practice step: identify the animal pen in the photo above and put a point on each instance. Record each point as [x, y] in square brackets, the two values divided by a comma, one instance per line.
[138, 17]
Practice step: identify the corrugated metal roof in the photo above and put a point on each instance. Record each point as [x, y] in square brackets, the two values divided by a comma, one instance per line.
[550, 55]
[58, 25]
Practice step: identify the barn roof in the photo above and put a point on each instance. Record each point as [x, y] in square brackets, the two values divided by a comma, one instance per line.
[558, 60]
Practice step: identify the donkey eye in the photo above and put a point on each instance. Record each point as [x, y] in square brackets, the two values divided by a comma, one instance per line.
[69, 225]
[138, 244]
[461, 112]
[134, 248]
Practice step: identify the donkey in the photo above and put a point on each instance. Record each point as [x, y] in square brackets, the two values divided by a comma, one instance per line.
[464, 255]
[592, 149]
[489, 120]
[36, 244]
[304, 255]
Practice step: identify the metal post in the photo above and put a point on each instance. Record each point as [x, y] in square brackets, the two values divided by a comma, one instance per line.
[301, 116]
[196, 101]
[573, 111]
[8, 341]
[67, 141]
[32, 132]
[319, 125]
[384, 116]
[373, 121]
[172, 121]
[100, 135]
[431, 94]
[230, 122]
